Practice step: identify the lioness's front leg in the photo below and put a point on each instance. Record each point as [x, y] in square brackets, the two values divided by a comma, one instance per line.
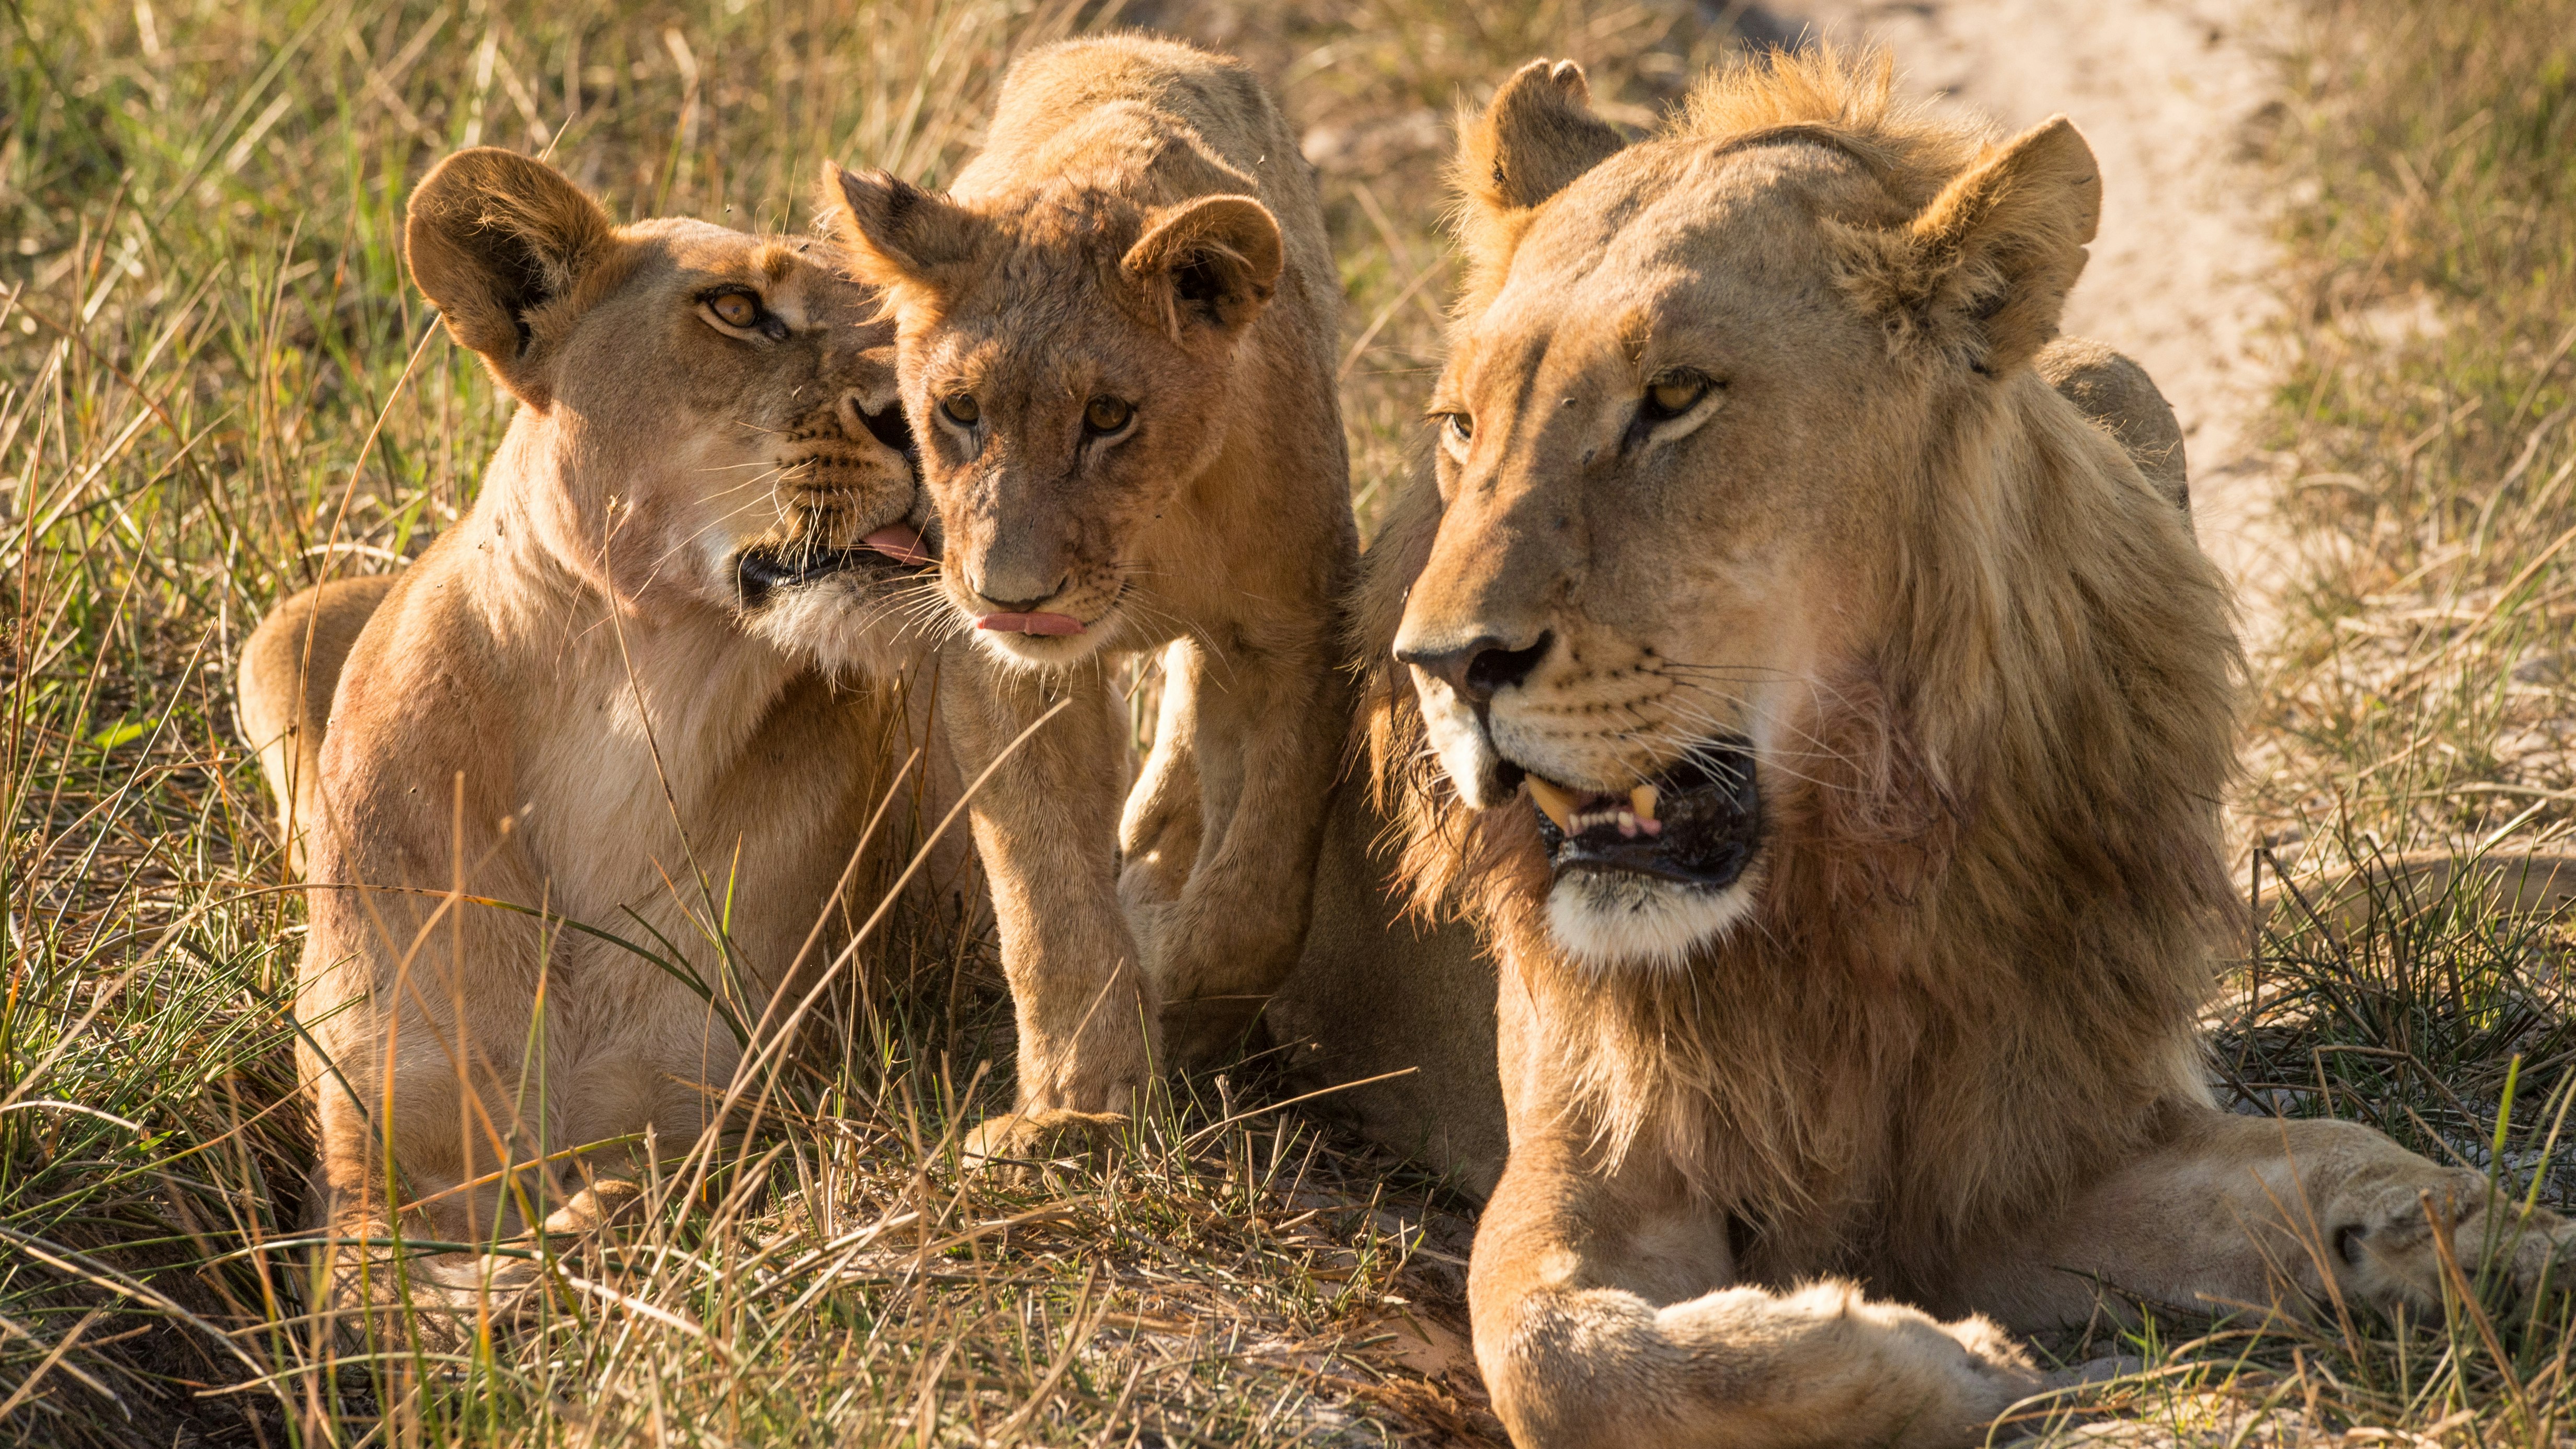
[2231, 1211]
[1264, 732]
[1044, 824]
[1605, 1315]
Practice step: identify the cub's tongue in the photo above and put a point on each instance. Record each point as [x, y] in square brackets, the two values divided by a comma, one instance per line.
[901, 542]
[1030, 623]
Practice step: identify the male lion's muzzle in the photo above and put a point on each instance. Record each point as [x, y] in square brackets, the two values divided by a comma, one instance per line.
[1695, 824]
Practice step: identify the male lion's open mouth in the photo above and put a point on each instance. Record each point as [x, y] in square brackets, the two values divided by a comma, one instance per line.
[1695, 824]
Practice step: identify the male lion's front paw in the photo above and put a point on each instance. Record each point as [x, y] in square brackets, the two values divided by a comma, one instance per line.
[1036, 1136]
[2387, 1253]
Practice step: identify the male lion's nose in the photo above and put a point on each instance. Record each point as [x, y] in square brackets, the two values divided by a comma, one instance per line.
[1481, 666]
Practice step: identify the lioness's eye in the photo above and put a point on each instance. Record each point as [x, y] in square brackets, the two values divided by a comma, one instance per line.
[1106, 415]
[1673, 395]
[1461, 426]
[961, 409]
[735, 309]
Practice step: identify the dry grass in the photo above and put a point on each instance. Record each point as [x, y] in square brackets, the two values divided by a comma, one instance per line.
[204, 323]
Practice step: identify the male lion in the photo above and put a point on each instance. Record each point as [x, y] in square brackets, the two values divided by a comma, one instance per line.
[1116, 345]
[1873, 711]
[581, 700]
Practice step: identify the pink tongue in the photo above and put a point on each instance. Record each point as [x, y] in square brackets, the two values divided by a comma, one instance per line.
[1031, 623]
[900, 542]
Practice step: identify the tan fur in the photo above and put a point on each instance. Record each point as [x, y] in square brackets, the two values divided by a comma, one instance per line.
[1403, 1000]
[1139, 228]
[574, 703]
[1780, 1146]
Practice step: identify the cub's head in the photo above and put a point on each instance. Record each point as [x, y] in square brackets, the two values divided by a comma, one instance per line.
[709, 419]
[1067, 362]
[1720, 406]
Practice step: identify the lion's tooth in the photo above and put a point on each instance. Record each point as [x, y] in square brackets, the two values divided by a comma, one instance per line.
[1642, 800]
[1558, 804]
[1628, 824]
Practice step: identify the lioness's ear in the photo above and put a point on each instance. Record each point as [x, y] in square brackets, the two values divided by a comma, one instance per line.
[1214, 260]
[901, 240]
[1531, 143]
[497, 241]
[1990, 261]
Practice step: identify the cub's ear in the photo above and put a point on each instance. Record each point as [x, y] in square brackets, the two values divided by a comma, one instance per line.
[1531, 143]
[1213, 261]
[906, 242]
[497, 242]
[1985, 268]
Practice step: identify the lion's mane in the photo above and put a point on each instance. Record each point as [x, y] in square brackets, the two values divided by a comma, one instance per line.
[2004, 857]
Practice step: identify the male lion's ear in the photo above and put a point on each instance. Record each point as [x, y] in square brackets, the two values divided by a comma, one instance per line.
[497, 241]
[1991, 259]
[1214, 260]
[901, 239]
[1531, 143]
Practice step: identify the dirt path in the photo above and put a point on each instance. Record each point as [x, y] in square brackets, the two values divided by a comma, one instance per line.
[2169, 93]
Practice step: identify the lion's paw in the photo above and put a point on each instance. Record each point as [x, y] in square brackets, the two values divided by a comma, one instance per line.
[1038, 1136]
[2388, 1252]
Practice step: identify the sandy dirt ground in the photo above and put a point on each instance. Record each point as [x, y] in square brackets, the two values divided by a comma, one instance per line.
[2173, 95]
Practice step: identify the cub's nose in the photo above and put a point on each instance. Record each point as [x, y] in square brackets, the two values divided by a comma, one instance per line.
[988, 589]
[1481, 666]
[875, 414]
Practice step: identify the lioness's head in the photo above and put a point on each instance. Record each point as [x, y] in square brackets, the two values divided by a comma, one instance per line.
[1691, 460]
[715, 413]
[1066, 360]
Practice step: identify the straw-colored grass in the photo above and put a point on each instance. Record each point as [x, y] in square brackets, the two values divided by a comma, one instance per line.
[203, 323]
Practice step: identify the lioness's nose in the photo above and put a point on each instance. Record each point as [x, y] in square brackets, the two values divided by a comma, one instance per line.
[1481, 666]
[878, 416]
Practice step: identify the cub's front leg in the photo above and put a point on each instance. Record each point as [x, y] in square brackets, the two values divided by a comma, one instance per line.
[1260, 732]
[1045, 823]
[1603, 1317]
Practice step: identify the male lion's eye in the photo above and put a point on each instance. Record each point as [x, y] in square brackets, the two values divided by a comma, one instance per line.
[735, 309]
[1106, 415]
[1672, 396]
[961, 409]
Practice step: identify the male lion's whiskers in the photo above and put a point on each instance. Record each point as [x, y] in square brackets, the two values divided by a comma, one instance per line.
[1699, 748]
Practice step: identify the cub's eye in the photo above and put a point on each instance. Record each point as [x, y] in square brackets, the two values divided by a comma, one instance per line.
[1461, 426]
[961, 409]
[1673, 394]
[735, 309]
[1106, 415]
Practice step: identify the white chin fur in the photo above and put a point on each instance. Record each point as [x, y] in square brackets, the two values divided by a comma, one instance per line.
[845, 632]
[1615, 921]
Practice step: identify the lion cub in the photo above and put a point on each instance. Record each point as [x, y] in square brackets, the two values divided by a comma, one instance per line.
[1116, 339]
[571, 704]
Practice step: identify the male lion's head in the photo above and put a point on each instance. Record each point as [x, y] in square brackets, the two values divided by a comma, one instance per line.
[1068, 354]
[1747, 491]
[716, 412]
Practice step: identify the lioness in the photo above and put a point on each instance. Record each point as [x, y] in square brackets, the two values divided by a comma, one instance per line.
[1830, 727]
[1116, 342]
[569, 704]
